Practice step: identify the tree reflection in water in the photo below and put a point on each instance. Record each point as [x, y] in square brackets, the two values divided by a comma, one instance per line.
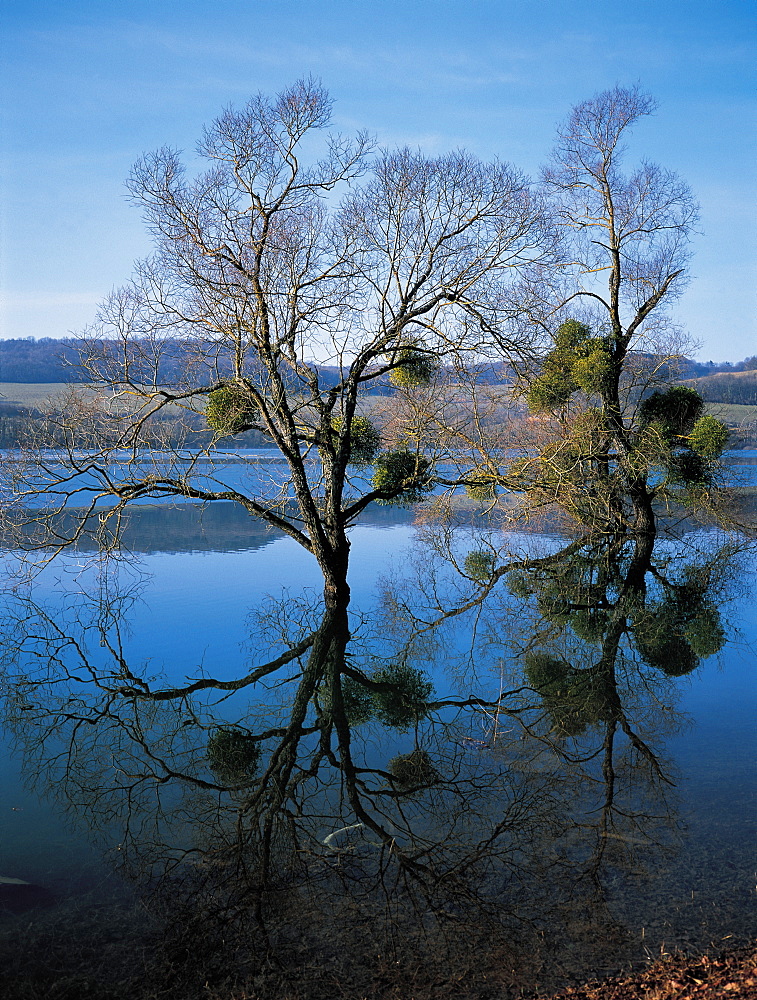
[345, 815]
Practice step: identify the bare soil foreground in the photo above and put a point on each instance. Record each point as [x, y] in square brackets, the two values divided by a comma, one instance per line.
[115, 951]
[729, 975]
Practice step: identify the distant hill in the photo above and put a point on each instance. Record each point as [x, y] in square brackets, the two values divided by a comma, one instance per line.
[727, 387]
[44, 360]
[689, 369]
[47, 360]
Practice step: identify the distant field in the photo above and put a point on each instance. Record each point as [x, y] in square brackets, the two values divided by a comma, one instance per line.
[746, 376]
[735, 414]
[29, 393]
[35, 393]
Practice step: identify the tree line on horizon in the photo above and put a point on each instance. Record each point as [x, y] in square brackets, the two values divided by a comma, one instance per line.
[49, 361]
[52, 359]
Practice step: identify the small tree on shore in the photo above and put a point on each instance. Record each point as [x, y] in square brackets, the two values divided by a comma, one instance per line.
[604, 455]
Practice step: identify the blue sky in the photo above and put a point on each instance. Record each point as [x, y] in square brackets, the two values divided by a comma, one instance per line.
[87, 87]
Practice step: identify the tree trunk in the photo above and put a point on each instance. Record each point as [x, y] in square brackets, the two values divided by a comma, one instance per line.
[644, 515]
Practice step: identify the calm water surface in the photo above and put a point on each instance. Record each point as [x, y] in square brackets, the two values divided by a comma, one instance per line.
[201, 578]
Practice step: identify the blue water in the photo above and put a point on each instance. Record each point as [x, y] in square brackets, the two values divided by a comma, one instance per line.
[263, 473]
[192, 616]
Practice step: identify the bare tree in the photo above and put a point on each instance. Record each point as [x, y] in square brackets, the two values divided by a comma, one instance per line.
[257, 275]
[281, 306]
